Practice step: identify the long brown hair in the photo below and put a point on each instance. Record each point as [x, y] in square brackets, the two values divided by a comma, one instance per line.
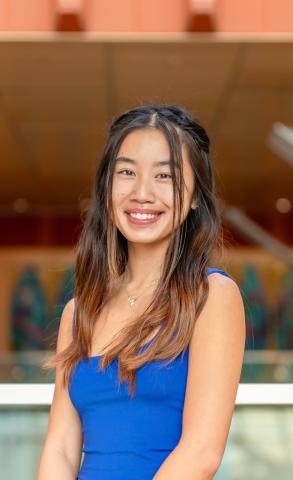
[102, 252]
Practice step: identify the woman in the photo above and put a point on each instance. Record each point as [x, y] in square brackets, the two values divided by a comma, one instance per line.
[150, 348]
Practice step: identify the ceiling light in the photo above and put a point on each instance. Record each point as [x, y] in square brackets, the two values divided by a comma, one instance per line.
[283, 205]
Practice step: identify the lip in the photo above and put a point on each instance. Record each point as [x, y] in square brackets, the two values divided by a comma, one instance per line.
[139, 221]
[137, 210]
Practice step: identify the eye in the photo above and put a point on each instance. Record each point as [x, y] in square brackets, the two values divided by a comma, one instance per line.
[169, 176]
[121, 171]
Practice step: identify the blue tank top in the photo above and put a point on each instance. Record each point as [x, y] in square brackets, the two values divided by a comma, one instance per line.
[128, 438]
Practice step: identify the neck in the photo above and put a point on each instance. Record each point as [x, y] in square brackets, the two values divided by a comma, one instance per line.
[145, 263]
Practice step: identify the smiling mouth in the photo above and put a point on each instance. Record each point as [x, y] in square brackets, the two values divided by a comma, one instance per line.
[139, 218]
[143, 215]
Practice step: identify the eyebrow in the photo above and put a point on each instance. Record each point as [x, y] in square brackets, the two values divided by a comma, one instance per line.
[133, 162]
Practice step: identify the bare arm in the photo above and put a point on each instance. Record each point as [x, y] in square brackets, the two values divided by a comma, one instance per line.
[215, 360]
[61, 454]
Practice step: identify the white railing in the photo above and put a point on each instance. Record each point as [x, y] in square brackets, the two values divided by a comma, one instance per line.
[34, 394]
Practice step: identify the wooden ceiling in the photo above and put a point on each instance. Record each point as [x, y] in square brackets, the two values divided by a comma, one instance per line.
[59, 92]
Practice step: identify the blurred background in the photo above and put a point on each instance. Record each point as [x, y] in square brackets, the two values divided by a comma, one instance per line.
[69, 66]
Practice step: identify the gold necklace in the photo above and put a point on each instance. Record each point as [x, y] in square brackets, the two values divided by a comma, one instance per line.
[133, 298]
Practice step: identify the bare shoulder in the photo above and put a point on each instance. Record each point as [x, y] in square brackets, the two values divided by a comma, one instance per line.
[223, 310]
[70, 305]
[214, 366]
[221, 281]
[65, 328]
[69, 309]
[223, 291]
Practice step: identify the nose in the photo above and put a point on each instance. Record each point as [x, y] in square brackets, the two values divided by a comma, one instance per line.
[143, 190]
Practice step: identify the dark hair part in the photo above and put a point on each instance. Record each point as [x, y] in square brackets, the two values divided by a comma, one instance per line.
[102, 253]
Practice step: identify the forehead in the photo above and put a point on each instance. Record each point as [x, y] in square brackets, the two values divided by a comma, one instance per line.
[147, 143]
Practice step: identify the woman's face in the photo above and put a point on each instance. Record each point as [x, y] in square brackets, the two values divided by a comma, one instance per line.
[141, 185]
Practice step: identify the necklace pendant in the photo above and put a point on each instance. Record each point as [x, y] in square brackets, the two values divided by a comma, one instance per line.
[131, 299]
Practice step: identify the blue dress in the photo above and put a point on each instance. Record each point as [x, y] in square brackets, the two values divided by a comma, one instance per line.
[129, 438]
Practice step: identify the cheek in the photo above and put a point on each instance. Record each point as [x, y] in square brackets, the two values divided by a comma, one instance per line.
[119, 202]
[165, 192]
[118, 197]
[118, 192]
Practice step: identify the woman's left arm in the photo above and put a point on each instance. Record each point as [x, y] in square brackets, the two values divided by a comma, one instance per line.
[214, 367]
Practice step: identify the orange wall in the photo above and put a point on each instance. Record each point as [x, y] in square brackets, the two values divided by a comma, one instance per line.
[254, 15]
[32, 15]
[148, 15]
[98, 15]
[137, 15]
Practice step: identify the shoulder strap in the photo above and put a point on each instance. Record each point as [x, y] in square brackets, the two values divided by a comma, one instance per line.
[218, 270]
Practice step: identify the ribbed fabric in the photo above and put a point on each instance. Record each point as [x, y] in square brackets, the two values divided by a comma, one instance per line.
[129, 438]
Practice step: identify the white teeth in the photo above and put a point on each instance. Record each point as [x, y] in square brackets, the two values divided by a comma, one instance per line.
[143, 215]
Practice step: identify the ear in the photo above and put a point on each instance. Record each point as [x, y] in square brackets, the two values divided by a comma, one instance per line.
[193, 205]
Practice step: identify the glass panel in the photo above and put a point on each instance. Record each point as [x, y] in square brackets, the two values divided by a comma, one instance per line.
[260, 444]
